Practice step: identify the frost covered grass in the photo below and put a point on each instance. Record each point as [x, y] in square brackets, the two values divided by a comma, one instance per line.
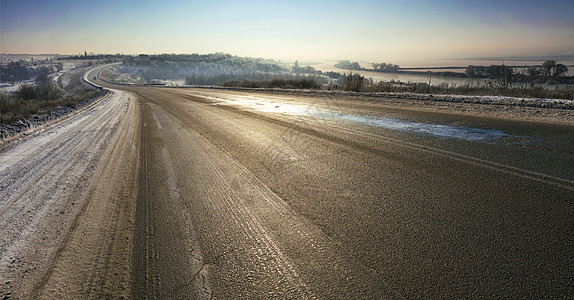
[33, 98]
[13, 109]
[525, 90]
[288, 83]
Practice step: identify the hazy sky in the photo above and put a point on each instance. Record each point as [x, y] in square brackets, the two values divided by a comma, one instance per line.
[371, 30]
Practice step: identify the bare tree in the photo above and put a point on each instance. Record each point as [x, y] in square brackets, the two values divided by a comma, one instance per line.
[547, 67]
[560, 70]
[533, 71]
[552, 69]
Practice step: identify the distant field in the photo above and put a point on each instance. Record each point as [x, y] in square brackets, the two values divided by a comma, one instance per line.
[422, 66]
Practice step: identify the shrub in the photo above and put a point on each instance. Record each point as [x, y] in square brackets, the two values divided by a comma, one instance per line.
[42, 73]
[14, 71]
[48, 91]
[26, 92]
[516, 89]
[282, 83]
[42, 91]
[354, 82]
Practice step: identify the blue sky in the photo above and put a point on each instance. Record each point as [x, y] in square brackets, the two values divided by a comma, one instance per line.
[370, 30]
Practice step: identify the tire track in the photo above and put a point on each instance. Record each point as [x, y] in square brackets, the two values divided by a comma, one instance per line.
[52, 183]
[253, 244]
[520, 172]
[329, 126]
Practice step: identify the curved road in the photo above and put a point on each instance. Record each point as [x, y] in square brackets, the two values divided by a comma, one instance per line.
[233, 194]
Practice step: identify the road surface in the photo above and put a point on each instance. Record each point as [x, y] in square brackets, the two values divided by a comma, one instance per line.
[228, 194]
[67, 205]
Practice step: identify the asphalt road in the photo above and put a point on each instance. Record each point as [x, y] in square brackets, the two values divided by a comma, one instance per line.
[240, 198]
[266, 195]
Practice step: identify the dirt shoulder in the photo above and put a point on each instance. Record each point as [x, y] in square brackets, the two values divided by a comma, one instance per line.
[68, 204]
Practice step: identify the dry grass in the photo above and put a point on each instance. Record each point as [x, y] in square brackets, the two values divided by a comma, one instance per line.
[44, 98]
[483, 89]
[282, 83]
[13, 109]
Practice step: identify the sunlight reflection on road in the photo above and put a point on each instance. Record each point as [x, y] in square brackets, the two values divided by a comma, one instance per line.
[428, 129]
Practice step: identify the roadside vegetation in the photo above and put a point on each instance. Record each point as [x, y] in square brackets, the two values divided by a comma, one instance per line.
[44, 91]
[545, 81]
[282, 83]
[499, 87]
[222, 69]
[504, 84]
[215, 68]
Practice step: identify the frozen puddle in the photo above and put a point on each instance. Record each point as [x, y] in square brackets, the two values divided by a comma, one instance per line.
[428, 129]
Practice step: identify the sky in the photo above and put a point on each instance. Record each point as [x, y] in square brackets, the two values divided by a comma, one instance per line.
[304, 29]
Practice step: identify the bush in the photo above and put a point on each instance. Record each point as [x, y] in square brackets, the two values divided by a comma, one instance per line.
[42, 98]
[516, 89]
[13, 108]
[353, 82]
[14, 71]
[42, 91]
[48, 91]
[26, 92]
[42, 74]
[282, 83]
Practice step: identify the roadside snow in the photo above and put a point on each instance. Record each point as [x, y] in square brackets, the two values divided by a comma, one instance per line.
[9, 88]
[42, 181]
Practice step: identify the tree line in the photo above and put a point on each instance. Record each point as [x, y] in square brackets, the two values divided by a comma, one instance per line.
[549, 68]
[15, 71]
[377, 67]
[180, 66]
[18, 71]
[220, 68]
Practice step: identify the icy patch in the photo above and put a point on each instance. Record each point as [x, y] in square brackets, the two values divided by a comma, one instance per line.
[428, 129]
[437, 130]
[271, 107]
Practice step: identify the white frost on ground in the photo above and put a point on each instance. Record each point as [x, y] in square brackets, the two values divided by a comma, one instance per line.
[498, 98]
[9, 88]
[41, 183]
